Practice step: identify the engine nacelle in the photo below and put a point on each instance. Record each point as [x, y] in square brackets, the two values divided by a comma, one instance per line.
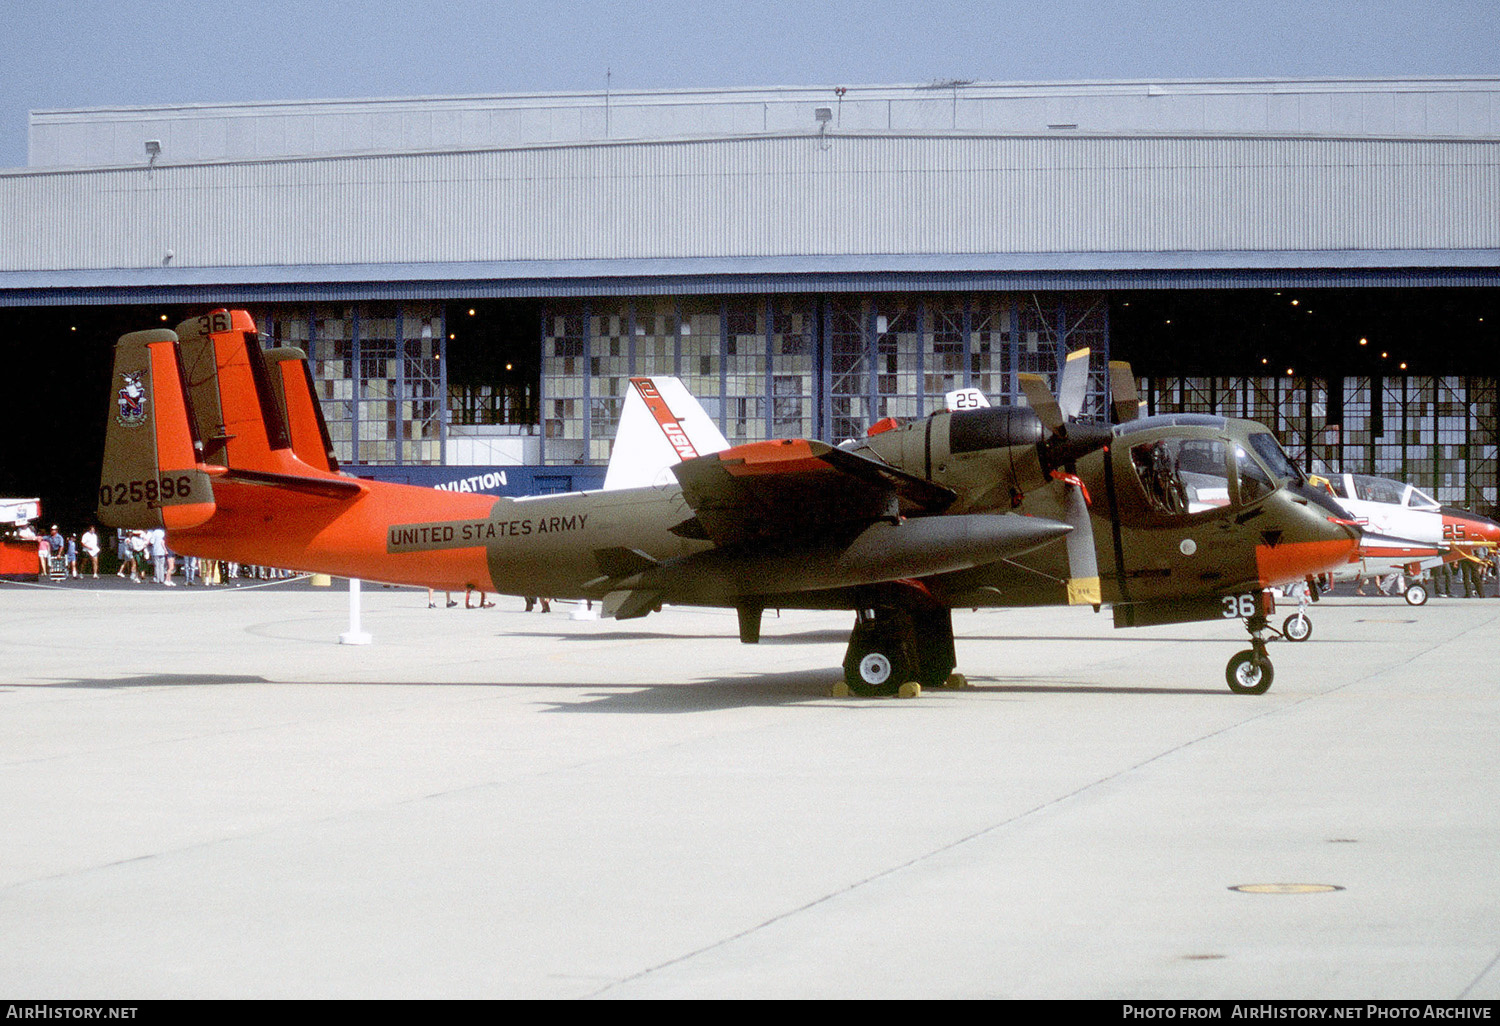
[988, 456]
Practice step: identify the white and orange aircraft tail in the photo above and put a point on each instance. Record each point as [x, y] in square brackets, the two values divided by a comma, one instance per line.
[660, 426]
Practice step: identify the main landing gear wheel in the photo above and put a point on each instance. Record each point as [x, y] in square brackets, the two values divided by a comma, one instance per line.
[879, 659]
[1248, 674]
[1297, 627]
[895, 645]
[1416, 594]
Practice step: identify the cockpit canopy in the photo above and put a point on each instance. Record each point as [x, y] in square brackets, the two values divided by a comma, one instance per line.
[1197, 475]
[1368, 488]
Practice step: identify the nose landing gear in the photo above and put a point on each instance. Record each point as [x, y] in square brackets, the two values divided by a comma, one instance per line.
[1250, 672]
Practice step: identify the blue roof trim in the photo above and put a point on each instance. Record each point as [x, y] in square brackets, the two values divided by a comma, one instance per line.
[687, 275]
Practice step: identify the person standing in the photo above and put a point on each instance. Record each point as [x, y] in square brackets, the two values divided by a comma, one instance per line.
[1484, 570]
[156, 539]
[124, 553]
[90, 542]
[1473, 562]
[137, 555]
[71, 548]
[1442, 580]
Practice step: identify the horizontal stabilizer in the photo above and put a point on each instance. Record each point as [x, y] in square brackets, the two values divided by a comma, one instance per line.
[328, 487]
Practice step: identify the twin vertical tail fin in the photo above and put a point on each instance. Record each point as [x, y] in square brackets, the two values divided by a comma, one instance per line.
[153, 472]
[238, 416]
[205, 402]
[307, 431]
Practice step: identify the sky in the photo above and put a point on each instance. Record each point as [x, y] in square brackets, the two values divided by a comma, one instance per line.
[67, 54]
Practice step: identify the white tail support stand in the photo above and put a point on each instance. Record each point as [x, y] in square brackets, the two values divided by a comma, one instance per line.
[355, 636]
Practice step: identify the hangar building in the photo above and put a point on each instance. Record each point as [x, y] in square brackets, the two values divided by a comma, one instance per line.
[476, 278]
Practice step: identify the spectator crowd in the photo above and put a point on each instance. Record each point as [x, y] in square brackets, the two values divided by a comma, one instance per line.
[137, 556]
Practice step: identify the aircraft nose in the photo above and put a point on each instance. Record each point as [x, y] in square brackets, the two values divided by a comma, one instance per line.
[1319, 539]
[1488, 529]
[1464, 527]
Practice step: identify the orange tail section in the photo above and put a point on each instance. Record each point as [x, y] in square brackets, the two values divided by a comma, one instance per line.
[292, 383]
[242, 424]
[219, 408]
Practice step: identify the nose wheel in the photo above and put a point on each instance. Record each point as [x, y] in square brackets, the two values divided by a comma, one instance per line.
[1250, 672]
[1297, 627]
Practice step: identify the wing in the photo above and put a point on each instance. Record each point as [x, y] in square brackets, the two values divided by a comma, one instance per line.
[797, 489]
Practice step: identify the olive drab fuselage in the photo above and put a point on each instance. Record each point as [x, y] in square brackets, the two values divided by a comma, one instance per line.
[1152, 544]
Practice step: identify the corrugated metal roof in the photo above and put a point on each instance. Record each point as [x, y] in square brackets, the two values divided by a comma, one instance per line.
[995, 273]
[773, 199]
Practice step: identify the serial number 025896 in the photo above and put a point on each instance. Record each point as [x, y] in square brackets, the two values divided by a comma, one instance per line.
[122, 493]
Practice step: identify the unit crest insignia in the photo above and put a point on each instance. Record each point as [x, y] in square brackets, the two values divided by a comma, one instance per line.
[131, 400]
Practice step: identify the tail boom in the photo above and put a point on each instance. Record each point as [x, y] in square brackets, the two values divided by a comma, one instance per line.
[273, 525]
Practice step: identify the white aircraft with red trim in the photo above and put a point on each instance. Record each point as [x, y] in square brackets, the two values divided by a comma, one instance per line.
[1406, 531]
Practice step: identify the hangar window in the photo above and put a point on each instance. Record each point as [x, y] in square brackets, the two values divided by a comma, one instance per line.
[1183, 475]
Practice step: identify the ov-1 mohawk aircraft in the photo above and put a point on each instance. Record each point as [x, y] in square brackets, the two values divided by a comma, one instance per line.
[1168, 519]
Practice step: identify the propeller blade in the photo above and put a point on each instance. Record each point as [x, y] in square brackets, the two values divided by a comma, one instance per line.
[1083, 561]
[1123, 397]
[1073, 383]
[1039, 398]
